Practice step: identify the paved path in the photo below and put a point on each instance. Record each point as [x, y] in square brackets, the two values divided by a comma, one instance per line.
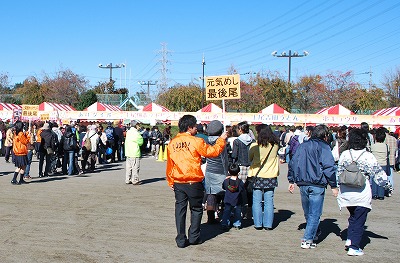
[97, 218]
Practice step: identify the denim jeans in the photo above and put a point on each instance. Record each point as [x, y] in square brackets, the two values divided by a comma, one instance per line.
[237, 215]
[68, 160]
[263, 213]
[312, 200]
[28, 166]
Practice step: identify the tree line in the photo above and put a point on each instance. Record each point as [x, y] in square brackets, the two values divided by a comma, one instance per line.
[307, 95]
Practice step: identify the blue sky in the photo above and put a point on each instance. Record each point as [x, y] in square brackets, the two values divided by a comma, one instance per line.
[45, 36]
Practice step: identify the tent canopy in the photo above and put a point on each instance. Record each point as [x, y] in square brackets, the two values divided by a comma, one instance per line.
[393, 111]
[98, 106]
[274, 109]
[153, 107]
[49, 106]
[211, 108]
[335, 110]
[9, 106]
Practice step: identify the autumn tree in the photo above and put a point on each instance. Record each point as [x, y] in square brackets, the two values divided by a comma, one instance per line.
[65, 87]
[391, 82]
[251, 99]
[31, 91]
[367, 101]
[307, 92]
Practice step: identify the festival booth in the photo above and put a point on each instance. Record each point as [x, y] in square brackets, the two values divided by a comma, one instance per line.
[338, 109]
[98, 106]
[393, 111]
[7, 110]
[53, 111]
[211, 108]
[273, 109]
[99, 112]
[155, 108]
[335, 110]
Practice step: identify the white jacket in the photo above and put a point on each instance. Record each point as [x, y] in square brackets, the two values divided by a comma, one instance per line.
[349, 196]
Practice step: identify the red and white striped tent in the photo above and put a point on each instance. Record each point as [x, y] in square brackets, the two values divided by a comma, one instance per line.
[7, 109]
[393, 111]
[98, 106]
[49, 106]
[274, 109]
[153, 107]
[9, 106]
[335, 110]
[211, 108]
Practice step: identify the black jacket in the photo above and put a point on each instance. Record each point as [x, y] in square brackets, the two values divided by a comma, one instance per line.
[69, 141]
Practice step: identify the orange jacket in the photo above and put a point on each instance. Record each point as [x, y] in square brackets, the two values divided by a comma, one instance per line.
[19, 144]
[38, 137]
[184, 157]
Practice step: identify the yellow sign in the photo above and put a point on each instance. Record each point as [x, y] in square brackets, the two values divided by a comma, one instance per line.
[30, 110]
[223, 87]
[45, 117]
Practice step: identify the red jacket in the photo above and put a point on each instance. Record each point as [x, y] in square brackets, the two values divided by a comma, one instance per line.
[184, 157]
[20, 144]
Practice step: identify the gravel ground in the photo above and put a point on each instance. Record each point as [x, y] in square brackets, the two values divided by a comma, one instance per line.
[97, 218]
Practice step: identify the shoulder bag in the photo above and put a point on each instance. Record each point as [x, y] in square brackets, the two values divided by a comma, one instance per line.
[250, 181]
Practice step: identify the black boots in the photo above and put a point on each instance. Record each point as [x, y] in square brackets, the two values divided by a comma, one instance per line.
[21, 179]
[14, 180]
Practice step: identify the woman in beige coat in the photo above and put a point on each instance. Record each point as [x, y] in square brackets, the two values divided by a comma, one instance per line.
[8, 143]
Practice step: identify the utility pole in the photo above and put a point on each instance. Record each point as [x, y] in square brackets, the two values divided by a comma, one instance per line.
[111, 67]
[290, 56]
[148, 83]
[202, 88]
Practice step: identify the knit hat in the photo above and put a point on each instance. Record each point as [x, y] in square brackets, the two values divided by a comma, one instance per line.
[215, 127]
[46, 126]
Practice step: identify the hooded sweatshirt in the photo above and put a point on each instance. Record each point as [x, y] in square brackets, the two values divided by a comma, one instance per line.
[240, 151]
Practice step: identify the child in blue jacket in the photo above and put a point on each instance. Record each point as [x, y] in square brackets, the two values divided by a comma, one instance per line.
[235, 198]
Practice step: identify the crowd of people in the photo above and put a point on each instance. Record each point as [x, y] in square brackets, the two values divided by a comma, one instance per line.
[73, 149]
[233, 175]
[230, 172]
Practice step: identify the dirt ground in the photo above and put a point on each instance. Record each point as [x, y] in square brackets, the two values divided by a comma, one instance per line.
[97, 218]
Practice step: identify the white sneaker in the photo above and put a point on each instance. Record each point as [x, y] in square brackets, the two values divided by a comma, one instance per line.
[308, 244]
[348, 243]
[355, 252]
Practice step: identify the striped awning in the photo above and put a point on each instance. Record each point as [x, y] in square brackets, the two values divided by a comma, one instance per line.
[98, 106]
[393, 111]
[9, 106]
[49, 106]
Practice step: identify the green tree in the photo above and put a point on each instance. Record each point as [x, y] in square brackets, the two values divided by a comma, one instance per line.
[276, 90]
[181, 98]
[86, 99]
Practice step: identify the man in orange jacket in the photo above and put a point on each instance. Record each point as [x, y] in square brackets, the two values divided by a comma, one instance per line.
[185, 177]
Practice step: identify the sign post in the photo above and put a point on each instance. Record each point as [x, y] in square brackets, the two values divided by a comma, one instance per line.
[223, 88]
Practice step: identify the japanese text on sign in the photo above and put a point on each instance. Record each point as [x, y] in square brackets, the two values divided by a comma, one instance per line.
[223, 87]
[30, 110]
